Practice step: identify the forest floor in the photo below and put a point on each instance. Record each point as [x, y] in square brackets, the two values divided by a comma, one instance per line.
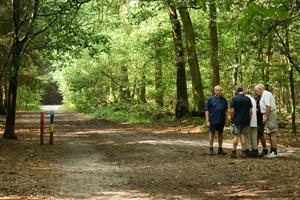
[100, 159]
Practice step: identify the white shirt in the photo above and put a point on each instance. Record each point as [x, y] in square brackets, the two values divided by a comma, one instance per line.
[253, 121]
[267, 99]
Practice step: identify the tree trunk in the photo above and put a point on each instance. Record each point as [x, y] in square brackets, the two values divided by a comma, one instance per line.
[12, 90]
[214, 42]
[134, 88]
[293, 100]
[182, 105]
[159, 97]
[113, 90]
[2, 101]
[237, 57]
[142, 88]
[6, 97]
[286, 98]
[269, 58]
[292, 87]
[124, 88]
[261, 61]
[197, 87]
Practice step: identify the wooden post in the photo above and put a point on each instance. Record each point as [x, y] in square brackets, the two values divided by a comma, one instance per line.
[51, 126]
[42, 128]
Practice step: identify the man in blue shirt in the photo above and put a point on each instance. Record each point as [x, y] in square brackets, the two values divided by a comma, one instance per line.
[216, 113]
[241, 111]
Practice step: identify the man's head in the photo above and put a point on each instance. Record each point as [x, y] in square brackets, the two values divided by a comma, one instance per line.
[238, 90]
[259, 89]
[218, 90]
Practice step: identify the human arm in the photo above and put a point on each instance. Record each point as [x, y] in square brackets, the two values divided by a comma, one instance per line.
[266, 114]
[231, 113]
[207, 118]
[207, 108]
[227, 115]
[231, 109]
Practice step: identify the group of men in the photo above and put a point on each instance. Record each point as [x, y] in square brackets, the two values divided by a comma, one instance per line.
[249, 118]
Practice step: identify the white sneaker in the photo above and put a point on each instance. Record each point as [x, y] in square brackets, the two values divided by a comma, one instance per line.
[271, 155]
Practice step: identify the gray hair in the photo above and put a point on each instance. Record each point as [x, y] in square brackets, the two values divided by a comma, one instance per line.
[260, 86]
[218, 86]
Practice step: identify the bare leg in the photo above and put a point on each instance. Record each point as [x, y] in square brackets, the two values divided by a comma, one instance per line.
[243, 142]
[263, 142]
[273, 140]
[247, 139]
[235, 142]
[211, 139]
[253, 136]
[220, 138]
[264, 145]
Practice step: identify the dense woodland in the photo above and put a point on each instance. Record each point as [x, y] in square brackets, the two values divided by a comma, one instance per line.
[146, 60]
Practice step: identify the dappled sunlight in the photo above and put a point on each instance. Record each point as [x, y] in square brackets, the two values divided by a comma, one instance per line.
[108, 195]
[291, 152]
[153, 142]
[21, 197]
[98, 159]
[170, 142]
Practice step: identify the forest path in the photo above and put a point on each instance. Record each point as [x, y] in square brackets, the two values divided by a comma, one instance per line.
[100, 159]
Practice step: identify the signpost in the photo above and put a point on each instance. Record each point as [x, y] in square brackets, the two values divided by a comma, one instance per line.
[51, 127]
[42, 128]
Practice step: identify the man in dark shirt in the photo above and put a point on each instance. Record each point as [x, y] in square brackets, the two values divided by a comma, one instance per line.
[215, 113]
[241, 115]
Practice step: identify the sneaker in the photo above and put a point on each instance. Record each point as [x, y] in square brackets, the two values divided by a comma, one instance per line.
[211, 151]
[271, 155]
[233, 154]
[221, 152]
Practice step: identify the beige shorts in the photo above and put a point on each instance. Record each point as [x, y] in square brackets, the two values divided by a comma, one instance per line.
[272, 124]
[237, 130]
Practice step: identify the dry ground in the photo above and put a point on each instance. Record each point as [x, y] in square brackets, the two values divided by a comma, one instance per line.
[99, 159]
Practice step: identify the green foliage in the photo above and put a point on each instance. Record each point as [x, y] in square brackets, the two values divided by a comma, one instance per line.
[82, 84]
[111, 46]
[29, 98]
[134, 113]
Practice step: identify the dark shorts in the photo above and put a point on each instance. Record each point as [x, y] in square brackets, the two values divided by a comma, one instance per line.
[216, 127]
[260, 131]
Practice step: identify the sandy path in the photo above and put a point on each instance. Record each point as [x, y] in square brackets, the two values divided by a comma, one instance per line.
[98, 159]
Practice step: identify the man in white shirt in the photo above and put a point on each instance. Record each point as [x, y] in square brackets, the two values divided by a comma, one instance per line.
[268, 108]
[251, 137]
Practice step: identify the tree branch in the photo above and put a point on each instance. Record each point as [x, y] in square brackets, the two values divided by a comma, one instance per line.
[45, 28]
[111, 78]
[286, 52]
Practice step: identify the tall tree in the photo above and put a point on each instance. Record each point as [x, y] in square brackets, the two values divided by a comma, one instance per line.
[124, 87]
[24, 31]
[182, 105]
[159, 97]
[142, 88]
[19, 42]
[197, 87]
[213, 31]
[291, 79]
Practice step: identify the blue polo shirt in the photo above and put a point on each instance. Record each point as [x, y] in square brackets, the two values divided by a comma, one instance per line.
[242, 105]
[216, 107]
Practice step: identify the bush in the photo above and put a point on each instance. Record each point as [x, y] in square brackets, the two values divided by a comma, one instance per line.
[136, 113]
[28, 98]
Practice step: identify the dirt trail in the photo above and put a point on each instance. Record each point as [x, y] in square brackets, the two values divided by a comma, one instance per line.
[99, 159]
